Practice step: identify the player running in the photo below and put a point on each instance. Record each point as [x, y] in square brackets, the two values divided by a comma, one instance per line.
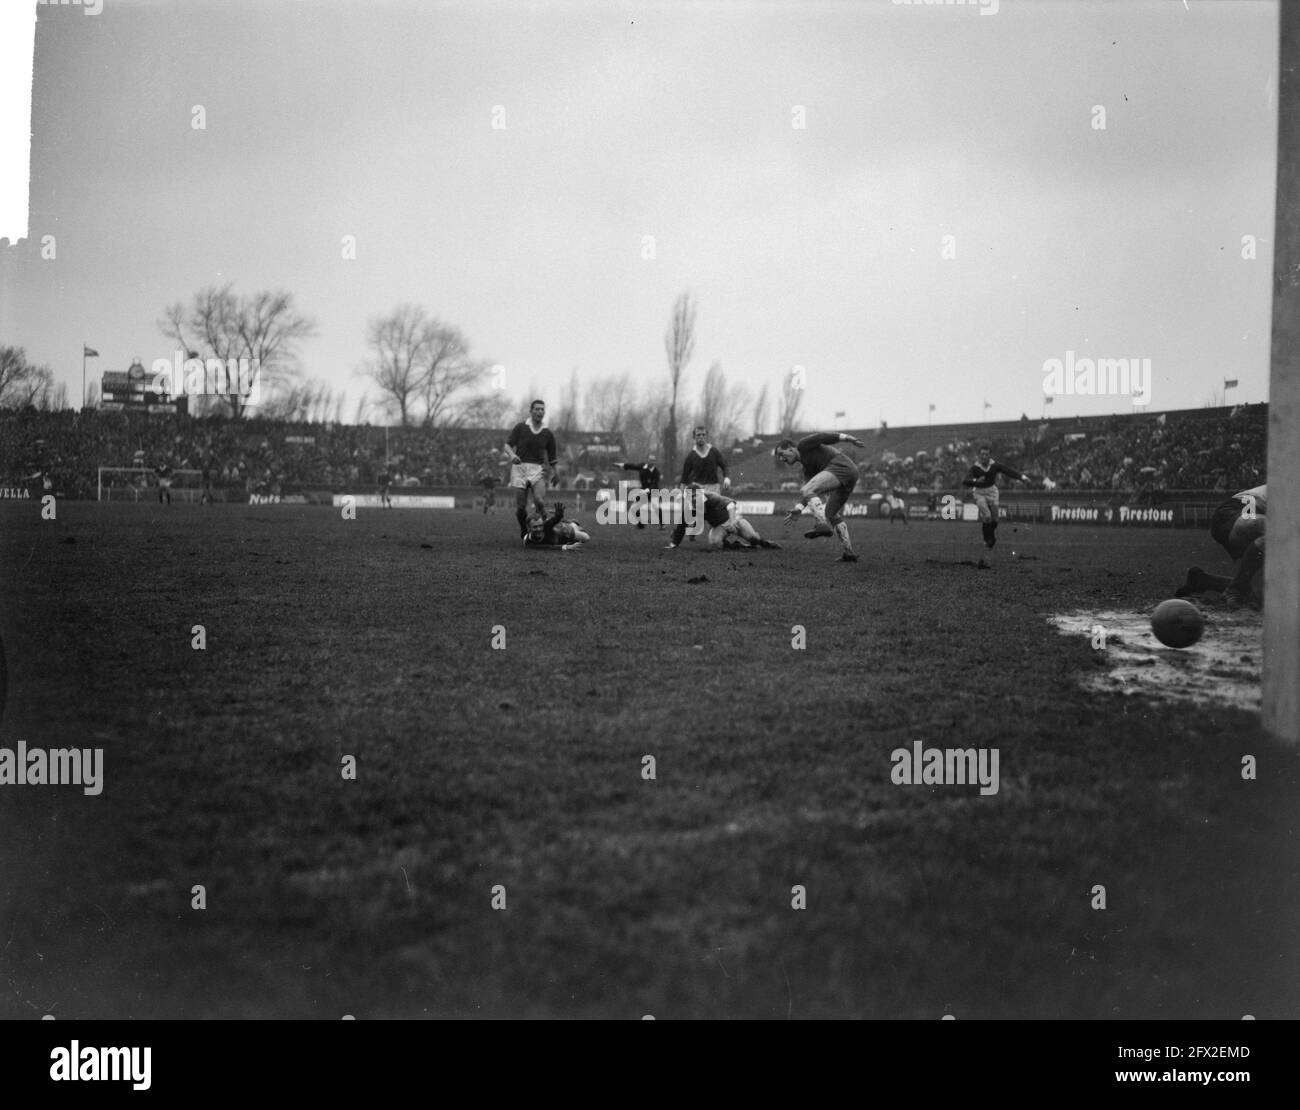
[554, 531]
[164, 472]
[532, 454]
[488, 480]
[1238, 527]
[722, 515]
[982, 480]
[828, 473]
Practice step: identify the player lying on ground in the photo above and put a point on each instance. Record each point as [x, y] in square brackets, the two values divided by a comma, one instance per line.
[554, 531]
[830, 476]
[983, 482]
[723, 517]
[1238, 527]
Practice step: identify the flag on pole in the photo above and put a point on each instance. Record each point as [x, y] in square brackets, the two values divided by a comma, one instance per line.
[987, 405]
[932, 408]
[88, 352]
[1229, 383]
[1048, 400]
[839, 415]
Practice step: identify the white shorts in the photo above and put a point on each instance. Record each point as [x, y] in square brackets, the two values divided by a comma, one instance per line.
[523, 475]
[986, 501]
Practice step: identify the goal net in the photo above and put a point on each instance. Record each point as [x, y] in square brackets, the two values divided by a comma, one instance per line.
[138, 483]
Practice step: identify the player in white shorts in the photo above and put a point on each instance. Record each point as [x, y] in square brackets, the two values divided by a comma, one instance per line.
[532, 454]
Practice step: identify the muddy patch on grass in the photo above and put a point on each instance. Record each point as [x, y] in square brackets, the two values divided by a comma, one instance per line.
[1224, 667]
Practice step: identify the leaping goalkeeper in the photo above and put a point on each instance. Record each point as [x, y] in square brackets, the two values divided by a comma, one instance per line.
[830, 477]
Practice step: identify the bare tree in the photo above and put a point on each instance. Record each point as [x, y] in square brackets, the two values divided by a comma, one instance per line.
[264, 328]
[309, 403]
[679, 346]
[568, 414]
[609, 403]
[270, 328]
[490, 409]
[760, 412]
[448, 369]
[401, 342]
[721, 406]
[362, 413]
[643, 422]
[791, 402]
[23, 383]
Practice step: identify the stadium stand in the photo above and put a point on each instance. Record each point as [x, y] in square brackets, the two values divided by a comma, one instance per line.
[1209, 450]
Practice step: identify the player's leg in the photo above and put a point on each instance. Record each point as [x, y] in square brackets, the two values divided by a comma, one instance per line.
[814, 493]
[835, 502]
[521, 508]
[1252, 562]
[717, 534]
[541, 487]
[983, 502]
[750, 533]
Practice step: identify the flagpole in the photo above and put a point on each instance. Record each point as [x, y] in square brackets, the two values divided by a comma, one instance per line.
[83, 377]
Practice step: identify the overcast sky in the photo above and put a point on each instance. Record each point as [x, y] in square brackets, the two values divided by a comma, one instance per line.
[818, 246]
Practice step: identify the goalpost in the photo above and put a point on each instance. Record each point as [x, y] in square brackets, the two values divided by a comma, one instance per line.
[140, 483]
[1281, 708]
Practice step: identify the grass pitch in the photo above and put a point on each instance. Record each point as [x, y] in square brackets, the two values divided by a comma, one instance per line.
[522, 768]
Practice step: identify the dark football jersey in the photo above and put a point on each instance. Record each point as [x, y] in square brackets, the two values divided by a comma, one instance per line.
[716, 509]
[816, 453]
[704, 469]
[981, 477]
[648, 473]
[530, 446]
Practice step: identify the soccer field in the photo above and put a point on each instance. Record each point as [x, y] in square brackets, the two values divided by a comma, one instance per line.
[517, 775]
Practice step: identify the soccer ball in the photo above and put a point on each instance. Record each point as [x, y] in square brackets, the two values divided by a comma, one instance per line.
[1177, 623]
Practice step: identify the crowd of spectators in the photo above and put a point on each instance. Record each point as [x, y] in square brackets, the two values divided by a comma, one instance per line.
[1212, 450]
[251, 455]
[1196, 450]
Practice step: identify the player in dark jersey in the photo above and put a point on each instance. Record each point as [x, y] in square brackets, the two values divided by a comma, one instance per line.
[1238, 527]
[208, 473]
[982, 480]
[532, 454]
[488, 480]
[722, 515]
[385, 481]
[705, 465]
[649, 475]
[554, 531]
[164, 473]
[829, 474]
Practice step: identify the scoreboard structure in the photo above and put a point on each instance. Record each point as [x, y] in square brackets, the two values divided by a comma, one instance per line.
[131, 390]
